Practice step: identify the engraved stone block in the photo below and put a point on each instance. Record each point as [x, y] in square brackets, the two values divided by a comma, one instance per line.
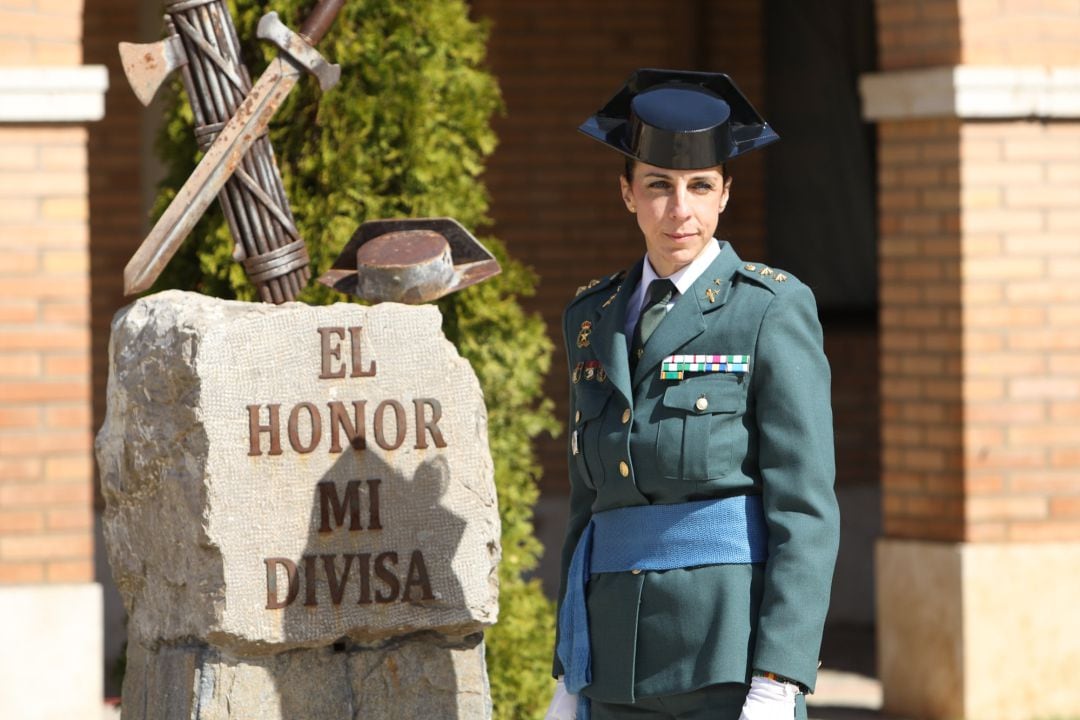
[279, 480]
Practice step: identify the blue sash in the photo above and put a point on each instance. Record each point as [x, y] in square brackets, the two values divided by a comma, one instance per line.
[652, 537]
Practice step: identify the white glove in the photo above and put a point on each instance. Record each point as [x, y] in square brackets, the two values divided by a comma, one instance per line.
[769, 700]
[563, 705]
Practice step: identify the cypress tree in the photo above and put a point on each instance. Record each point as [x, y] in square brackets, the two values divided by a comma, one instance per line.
[405, 134]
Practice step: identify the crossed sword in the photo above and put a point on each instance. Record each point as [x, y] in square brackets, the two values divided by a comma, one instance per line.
[147, 67]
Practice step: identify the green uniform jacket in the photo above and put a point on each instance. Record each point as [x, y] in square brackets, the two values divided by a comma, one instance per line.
[642, 440]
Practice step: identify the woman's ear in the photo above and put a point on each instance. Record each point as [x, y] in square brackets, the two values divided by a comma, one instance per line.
[627, 194]
[725, 193]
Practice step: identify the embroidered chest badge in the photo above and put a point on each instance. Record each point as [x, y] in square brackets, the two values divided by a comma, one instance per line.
[583, 334]
[675, 367]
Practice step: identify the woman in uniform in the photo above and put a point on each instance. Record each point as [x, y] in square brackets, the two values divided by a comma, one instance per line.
[703, 524]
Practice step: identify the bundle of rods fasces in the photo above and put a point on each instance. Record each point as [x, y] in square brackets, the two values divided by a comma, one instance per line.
[253, 199]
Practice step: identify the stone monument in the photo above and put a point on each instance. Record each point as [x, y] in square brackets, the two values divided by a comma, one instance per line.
[300, 512]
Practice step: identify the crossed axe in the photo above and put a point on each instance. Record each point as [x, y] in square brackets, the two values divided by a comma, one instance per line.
[231, 118]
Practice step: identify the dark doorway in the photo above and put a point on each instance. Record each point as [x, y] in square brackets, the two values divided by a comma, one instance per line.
[821, 226]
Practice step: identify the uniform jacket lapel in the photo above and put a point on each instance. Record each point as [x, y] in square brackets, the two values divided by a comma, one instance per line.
[686, 319]
[609, 334]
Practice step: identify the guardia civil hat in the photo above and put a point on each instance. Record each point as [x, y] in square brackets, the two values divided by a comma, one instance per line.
[680, 120]
[411, 261]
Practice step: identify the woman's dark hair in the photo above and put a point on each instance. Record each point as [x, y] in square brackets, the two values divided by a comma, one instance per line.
[628, 168]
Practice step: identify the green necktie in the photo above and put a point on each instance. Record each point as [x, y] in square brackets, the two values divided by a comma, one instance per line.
[656, 299]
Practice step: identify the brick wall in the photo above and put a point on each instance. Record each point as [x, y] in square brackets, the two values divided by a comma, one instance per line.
[919, 258]
[1020, 32]
[1021, 316]
[980, 318]
[40, 32]
[45, 466]
[925, 33]
[919, 33]
[115, 179]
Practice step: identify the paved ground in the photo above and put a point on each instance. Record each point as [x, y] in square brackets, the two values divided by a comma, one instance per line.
[847, 686]
[845, 696]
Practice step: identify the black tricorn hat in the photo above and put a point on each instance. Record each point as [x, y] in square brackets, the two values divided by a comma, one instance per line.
[411, 261]
[680, 120]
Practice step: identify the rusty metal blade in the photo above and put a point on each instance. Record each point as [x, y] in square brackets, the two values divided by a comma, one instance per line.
[215, 168]
[271, 28]
[147, 65]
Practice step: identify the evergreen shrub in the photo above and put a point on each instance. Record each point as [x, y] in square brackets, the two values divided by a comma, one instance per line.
[405, 134]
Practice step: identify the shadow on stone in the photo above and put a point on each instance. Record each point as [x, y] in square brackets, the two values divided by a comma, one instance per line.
[292, 540]
[419, 656]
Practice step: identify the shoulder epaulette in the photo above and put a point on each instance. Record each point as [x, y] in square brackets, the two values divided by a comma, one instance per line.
[597, 285]
[770, 278]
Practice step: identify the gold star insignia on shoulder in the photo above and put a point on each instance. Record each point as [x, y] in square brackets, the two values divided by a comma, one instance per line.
[582, 288]
[750, 266]
[766, 272]
[780, 277]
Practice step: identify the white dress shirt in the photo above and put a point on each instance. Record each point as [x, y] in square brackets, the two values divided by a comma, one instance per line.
[683, 280]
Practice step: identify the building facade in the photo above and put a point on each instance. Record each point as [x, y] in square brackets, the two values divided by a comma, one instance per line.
[927, 187]
[49, 599]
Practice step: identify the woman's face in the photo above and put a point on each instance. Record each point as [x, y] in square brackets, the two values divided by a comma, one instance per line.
[677, 211]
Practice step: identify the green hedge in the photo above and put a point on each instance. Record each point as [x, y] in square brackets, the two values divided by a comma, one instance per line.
[406, 134]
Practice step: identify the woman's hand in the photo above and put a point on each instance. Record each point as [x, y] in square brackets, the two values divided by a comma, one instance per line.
[769, 700]
[563, 705]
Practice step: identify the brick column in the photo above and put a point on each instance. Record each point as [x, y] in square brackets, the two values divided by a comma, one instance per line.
[52, 607]
[978, 107]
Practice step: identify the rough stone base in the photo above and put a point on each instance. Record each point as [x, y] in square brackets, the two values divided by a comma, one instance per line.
[50, 661]
[421, 678]
[983, 631]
